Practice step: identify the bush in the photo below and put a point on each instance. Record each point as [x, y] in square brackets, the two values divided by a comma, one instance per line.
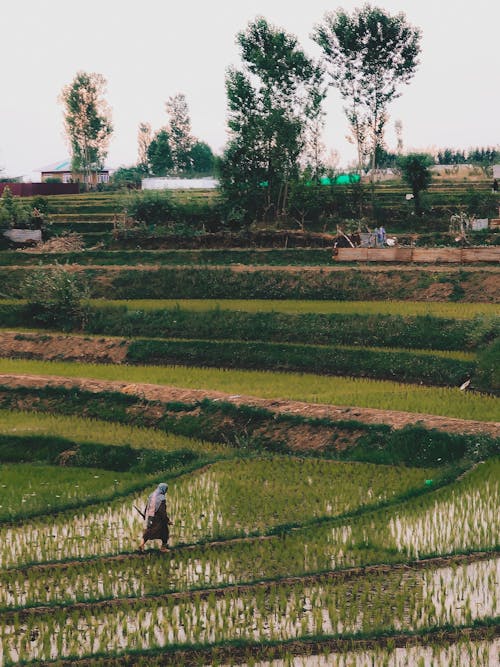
[400, 366]
[55, 298]
[151, 207]
[424, 332]
[487, 376]
[13, 212]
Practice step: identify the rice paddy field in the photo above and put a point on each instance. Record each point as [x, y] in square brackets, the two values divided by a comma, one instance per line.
[319, 518]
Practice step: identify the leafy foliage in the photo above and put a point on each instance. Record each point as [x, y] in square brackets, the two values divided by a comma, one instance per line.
[416, 172]
[159, 153]
[87, 119]
[369, 54]
[271, 100]
[55, 298]
[151, 207]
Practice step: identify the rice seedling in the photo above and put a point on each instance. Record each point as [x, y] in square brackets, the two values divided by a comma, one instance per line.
[366, 539]
[27, 489]
[378, 394]
[405, 308]
[382, 602]
[228, 499]
[463, 652]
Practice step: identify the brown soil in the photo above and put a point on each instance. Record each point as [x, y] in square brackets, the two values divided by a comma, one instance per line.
[253, 268]
[59, 346]
[168, 394]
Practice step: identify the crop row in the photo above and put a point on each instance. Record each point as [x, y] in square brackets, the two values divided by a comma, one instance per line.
[380, 394]
[44, 433]
[424, 332]
[377, 603]
[422, 526]
[464, 652]
[274, 256]
[407, 309]
[434, 649]
[26, 489]
[405, 366]
[87, 430]
[236, 321]
[233, 498]
[309, 283]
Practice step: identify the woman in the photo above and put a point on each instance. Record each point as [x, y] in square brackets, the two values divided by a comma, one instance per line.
[157, 521]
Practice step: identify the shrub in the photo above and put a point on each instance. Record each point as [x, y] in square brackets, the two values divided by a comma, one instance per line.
[149, 207]
[55, 298]
[487, 375]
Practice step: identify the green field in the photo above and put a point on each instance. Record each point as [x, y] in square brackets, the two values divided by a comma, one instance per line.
[301, 537]
[378, 394]
[403, 308]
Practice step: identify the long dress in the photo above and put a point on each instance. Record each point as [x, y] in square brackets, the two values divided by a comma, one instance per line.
[158, 529]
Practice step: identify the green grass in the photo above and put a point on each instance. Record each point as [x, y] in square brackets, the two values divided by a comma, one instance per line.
[293, 386]
[405, 308]
[81, 429]
[28, 489]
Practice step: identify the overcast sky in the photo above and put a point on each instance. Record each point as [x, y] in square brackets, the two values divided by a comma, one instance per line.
[152, 49]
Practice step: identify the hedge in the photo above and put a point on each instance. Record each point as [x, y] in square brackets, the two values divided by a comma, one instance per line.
[123, 458]
[400, 366]
[419, 332]
[218, 283]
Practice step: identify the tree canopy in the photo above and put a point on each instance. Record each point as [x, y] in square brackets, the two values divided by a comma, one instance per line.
[87, 121]
[271, 100]
[369, 54]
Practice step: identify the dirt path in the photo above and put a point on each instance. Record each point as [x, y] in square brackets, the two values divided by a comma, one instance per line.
[252, 268]
[170, 394]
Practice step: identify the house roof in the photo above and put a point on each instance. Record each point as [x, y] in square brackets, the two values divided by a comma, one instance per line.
[62, 166]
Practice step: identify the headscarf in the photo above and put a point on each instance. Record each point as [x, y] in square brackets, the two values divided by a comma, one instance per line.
[156, 498]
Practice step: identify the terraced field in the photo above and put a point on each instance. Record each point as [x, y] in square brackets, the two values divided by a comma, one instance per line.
[334, 493]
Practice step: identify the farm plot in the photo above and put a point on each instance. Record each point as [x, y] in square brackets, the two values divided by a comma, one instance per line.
[228, 499]
[87, 430]
[335, 544]
[463, 652]
[274, 612]
[28, 489]
[381, 394]
[394, 307]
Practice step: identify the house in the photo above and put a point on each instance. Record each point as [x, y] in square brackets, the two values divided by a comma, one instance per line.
[62, 171]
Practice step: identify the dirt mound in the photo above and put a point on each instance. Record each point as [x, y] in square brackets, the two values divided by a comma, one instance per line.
[71, 242]
[59, 346]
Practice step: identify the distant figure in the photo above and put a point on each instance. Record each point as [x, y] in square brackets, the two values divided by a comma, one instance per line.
[494, 187]
[374, 238]
[156, 518]
[381, 236]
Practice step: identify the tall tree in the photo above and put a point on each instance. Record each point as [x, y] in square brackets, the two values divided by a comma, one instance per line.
[87, 121]
[415, 171]
[271, 100]
[179, 129]
[160, 154]
[144, 138]
[369, 54]
[202, 158]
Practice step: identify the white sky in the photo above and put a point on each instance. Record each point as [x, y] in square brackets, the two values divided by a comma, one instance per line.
[152, 49]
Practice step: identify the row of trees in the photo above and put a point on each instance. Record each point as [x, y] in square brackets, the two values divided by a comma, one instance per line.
[275, 101]
[484, 157]
[276, 116]
[88, 125]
